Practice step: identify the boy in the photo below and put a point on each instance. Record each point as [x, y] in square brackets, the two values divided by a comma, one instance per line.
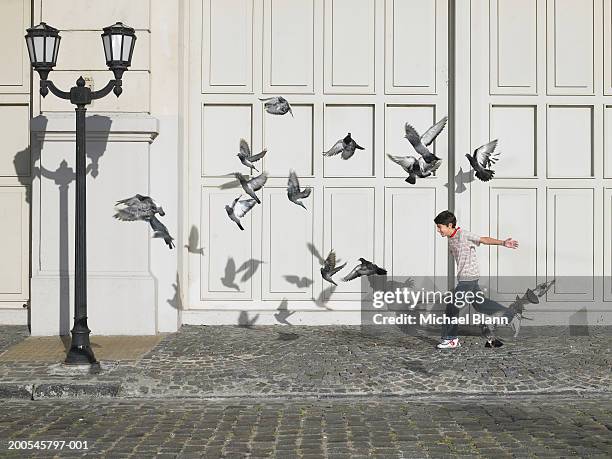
[462, 245]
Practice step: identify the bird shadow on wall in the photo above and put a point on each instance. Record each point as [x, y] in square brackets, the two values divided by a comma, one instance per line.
[249, 268]
[461, 179]
[62, 176]
[194, 240]
[176, 301]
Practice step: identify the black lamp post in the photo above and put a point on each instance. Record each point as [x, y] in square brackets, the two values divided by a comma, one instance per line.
[43, 46]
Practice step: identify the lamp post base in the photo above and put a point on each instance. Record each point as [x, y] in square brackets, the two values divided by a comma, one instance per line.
[82, 355]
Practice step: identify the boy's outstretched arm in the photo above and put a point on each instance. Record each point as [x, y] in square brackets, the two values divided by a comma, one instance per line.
[510, 243]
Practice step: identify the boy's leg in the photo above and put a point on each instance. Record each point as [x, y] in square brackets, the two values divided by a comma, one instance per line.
[451, 331]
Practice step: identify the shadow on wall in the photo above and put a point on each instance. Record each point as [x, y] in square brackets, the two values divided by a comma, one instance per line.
[62, 177]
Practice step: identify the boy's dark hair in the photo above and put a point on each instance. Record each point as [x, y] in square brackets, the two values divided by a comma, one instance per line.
[446, 218]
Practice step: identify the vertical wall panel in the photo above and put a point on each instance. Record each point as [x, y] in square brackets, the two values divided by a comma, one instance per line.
[227, 265]
[349, 230]
[570, 46]
[287, 231]
[223, 127]
[570, 243]
[349, 46]
[513, 58]
[510, 266]
[515, 128]
[15, 135]
[289, 141]
[13, 234]
[289, 46]
[569, 137]
[607, 244]
[410, 46]
[607, 134]
[227, 41]
[410, 236]
[12, 15]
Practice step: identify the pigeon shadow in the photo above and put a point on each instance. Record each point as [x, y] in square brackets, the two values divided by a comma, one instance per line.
[282, 336]
[300, 282]
[30, 160]
[230, 185]
[194, 239]
[229, 278]
[461, 179]
[316, 253]
[245, 321]
[176, 302]
[325, 296]
[250, 268]
[283, 313]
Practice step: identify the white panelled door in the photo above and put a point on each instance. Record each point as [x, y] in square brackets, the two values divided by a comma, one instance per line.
[540, 82]
[359, 66]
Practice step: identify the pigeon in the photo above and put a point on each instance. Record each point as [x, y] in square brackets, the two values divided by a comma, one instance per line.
[138, 207]
[415, 167]
[293, 190]
[482, 158]
[541, 289]
[283, 313]
[461, 179]
[346, 146]
[365, 268]
[329, 269]
[420, 143]
[160, 230]
[277, 105]
[245, 155]
[252, 185]
[492, 341]
[239, 209]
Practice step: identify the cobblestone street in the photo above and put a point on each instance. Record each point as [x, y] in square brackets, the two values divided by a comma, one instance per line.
[316, 392]
[336, 429]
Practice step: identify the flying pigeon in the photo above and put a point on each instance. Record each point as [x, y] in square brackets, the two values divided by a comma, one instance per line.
[492, 341]
[293, 190]
[415, 167]
[366, 268]
[346, 146]
[482, 158]
[138, 207]
[329, 269]
[239, 209]
[252, 185]
[246, 157]
[277, 105]
[160, 230]
[283, 313]
[420, 143]
[542, 288]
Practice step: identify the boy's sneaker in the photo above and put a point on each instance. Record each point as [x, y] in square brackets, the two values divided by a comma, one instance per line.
[449, 344]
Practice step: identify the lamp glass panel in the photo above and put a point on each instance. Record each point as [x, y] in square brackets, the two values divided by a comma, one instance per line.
[49, 49]
[31, 49]
[56, 51]
[39, 45]
[107, 47]
[116, 42]
[127, 45]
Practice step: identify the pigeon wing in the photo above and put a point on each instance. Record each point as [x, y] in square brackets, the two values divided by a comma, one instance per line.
[243, 207]
[330, 261]
[304, 193]
[483, 153]
[407, 162]
[293, 184]
[257, 182]
[433, 132]
[354, 274]
[258, 156]
[245, 151]
[412, 135]
[126, 215]
[134, 200]
[337, 148]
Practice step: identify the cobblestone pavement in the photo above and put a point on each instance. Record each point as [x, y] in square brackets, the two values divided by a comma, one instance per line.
[224, 361]
[335, 429]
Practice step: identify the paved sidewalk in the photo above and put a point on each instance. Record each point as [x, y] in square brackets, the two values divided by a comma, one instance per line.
[339, 361]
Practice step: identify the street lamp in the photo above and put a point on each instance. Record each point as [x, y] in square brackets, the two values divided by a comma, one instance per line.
[43, 46]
